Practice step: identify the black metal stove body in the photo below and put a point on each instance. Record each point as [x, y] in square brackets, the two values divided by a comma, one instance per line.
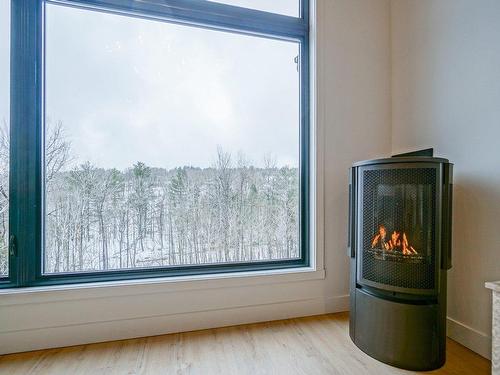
[400, 248]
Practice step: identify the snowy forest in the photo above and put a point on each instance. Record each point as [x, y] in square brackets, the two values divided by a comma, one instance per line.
[145, 216]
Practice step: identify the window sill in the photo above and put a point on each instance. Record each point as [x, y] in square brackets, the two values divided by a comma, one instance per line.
[109, 289]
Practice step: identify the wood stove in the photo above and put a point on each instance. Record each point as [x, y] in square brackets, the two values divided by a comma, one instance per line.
[400, 248]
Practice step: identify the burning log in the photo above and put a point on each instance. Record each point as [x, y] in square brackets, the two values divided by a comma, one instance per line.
[381, 235]
[405, 245]
[395, 243]
[394, 239]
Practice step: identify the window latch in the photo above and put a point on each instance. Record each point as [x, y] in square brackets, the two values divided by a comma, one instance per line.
[13, 245]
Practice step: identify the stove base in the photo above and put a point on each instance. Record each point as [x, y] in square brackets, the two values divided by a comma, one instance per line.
[406, 335]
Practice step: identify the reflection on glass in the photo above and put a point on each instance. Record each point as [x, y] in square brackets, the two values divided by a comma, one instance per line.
[286, 7]
[167, 145]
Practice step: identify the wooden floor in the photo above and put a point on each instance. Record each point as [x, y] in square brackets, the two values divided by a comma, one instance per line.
[309, 346]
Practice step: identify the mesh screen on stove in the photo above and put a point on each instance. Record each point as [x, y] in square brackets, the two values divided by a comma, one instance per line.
[398, 227]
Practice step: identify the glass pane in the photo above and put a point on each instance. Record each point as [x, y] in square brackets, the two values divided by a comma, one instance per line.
[4, 134]
[286, 7]
[398, 227]
[167, 145]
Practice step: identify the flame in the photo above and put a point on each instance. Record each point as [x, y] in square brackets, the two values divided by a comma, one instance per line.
[397, 242]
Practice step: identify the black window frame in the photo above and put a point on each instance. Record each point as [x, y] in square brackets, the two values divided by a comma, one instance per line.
[26, 192]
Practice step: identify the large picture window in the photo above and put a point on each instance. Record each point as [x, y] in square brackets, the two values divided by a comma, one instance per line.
[155, 139]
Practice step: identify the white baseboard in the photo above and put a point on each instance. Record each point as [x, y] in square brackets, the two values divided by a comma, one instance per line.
[337, 304]
[475, 340]
[77, 334]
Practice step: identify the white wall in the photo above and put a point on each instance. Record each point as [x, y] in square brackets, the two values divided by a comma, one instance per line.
[353, 123]
[446, 95]
[353, 108]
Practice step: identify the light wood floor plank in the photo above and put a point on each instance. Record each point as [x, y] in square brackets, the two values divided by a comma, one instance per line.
[303, 346]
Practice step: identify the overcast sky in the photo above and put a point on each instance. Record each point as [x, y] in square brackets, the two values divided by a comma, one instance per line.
[131, 90]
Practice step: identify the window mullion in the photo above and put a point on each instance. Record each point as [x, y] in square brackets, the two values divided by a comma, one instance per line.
[205, 14]
[26, 120]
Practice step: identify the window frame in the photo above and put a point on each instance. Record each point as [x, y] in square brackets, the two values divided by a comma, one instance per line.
[26, 192]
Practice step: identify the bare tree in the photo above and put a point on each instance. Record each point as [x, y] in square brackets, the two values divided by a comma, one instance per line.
[57, 149]
[105, 219]
[57, 155]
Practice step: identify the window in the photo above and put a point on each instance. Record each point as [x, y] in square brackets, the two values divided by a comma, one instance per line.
[4, 137]
[167, 138]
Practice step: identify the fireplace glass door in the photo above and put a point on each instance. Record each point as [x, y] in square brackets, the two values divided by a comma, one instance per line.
[398, 216]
